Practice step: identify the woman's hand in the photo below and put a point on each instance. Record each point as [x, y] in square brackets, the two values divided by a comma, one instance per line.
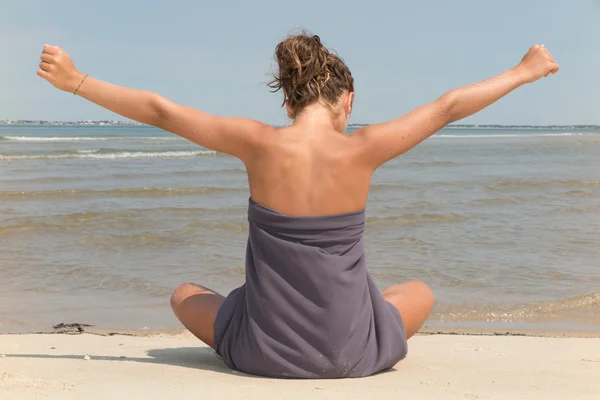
[538, 62]
[58, 69]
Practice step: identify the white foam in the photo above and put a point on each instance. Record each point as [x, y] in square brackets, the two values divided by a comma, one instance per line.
[111, 156]
[82, 138]
[509, 135]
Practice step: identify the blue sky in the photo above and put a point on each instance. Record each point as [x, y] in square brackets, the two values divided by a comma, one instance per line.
[216, 55]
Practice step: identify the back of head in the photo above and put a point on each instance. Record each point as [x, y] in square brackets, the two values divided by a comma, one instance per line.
[309, 73]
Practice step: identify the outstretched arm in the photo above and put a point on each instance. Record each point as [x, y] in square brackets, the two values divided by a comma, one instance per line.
[235, 136]
[383, 142]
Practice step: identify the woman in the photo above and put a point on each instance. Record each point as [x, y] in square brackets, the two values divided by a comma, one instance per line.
[309, 308]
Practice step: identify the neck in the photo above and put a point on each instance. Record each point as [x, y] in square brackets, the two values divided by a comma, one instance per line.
[317, 116]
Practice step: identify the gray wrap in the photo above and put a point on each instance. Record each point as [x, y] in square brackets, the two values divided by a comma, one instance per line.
[309, 307]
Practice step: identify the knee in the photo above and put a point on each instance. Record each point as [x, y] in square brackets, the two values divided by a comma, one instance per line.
[424, 292]
[180, 293]
[412, 290]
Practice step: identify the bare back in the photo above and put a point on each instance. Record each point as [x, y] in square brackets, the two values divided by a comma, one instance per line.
[304, 172]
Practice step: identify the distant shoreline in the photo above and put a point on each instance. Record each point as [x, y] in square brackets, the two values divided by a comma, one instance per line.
[133, 123]
[71, 123]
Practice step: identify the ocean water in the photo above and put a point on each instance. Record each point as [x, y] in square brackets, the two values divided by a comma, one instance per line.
[99, 224]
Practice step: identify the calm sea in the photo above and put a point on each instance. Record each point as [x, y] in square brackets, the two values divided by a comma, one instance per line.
[99, 224]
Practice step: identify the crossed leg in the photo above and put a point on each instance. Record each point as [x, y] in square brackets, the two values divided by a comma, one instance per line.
[196, 307]
[414, 300]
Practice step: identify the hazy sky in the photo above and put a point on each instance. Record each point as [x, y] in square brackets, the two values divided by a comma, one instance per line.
[216, 55]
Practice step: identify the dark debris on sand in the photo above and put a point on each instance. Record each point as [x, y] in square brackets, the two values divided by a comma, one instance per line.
[70, 328]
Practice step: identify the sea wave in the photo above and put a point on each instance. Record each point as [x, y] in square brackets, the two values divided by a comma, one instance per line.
[416, 218]
[501, 185]
[139, 225]
[97, 279]
[88, 151]
[524, 312]
[124, 192]
[508, 135]
[390, 186]
[109, 156]
[433, 163]
[81, 138]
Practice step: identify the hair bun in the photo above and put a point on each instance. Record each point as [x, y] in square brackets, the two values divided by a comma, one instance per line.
[305, 69]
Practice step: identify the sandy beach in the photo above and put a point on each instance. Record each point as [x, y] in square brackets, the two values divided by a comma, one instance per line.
[483, 365]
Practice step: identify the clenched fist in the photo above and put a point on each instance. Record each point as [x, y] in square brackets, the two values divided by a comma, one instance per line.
[538, 62]
[58, 69]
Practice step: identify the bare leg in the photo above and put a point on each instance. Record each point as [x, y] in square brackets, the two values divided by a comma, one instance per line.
[196, 307]
[414, 301]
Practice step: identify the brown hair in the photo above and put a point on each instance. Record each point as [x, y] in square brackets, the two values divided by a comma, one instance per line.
[309, 72]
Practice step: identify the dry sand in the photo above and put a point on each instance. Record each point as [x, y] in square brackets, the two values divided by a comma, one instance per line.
[55, 366]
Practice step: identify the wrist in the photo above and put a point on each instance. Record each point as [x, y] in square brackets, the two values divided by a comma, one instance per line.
[74, 82]
[521, 74]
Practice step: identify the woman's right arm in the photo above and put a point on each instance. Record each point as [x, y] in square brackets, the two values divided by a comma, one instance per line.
[383, 142]
[234, 136]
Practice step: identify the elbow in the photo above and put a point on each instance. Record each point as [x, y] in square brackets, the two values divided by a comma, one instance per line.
[448, 107]
[159, 110]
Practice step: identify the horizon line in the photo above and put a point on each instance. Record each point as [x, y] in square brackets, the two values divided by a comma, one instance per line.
[134, 123]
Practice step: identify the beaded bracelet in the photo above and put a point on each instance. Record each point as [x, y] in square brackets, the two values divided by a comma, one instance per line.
[78, 87]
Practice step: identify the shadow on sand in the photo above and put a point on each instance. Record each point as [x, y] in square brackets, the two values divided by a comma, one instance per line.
[188, 357]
